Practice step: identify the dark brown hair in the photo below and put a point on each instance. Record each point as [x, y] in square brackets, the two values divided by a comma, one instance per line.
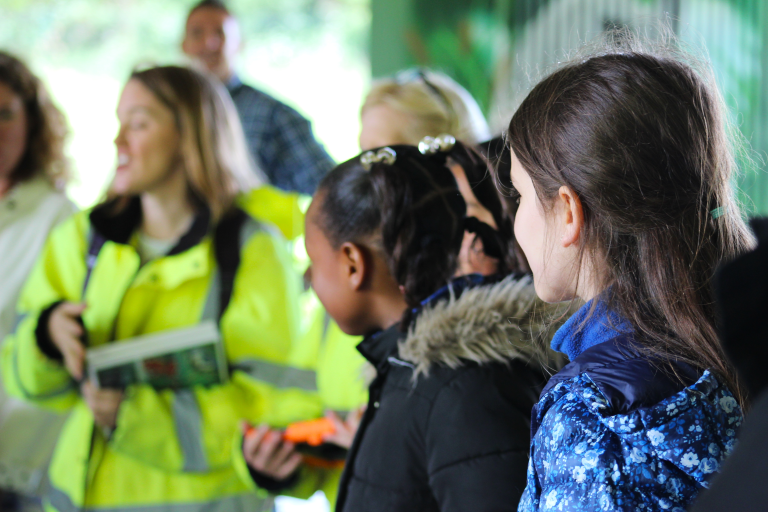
[642, 139]
[47, 128]
[498, 184]
[411, 211]
[210, 4]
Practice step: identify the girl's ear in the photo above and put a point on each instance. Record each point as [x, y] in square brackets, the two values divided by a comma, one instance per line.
[570, 216]
[355, 263]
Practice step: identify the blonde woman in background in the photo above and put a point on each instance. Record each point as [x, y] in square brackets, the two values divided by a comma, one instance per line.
[33, 171]
[422, 103]
[419, 103]
[167, 250]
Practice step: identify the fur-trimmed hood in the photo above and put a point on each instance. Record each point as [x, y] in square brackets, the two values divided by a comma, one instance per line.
[488, 323]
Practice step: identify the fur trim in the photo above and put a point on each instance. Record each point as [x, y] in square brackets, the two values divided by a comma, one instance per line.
[493, 323]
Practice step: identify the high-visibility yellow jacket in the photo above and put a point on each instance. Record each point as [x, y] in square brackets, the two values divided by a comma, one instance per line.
[322, 346]
[171, 450]
[283, 209]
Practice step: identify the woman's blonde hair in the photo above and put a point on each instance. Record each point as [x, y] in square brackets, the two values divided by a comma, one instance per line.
[47, 128]
[435, 103]
[213, 149]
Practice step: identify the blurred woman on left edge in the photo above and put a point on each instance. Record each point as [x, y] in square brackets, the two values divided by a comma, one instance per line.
[33, 171]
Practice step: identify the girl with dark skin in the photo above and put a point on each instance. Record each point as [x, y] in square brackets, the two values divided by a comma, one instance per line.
[446, 427]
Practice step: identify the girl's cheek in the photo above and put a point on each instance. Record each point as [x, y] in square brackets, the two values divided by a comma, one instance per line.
[522, 226]
[529, 232]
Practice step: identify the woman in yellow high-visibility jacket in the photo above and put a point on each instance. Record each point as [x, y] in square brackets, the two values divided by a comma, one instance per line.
[167, 250]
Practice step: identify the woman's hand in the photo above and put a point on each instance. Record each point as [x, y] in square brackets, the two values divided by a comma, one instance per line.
[266, 452]
[104, 403]
[65, 332]
[472, 258]
[345, 429]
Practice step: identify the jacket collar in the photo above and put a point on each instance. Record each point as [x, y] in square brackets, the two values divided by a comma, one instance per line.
[119, 227]
[627, 378]
[455, 288]
[481, 320]
[591, 325]
[26, 196]
[605, 354]
[234, 83]
[378, 347]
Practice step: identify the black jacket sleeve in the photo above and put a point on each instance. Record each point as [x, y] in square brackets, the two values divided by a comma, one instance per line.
[44, 341]
[477, 444]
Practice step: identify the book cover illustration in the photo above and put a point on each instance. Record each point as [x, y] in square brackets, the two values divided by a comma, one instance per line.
[179, 358]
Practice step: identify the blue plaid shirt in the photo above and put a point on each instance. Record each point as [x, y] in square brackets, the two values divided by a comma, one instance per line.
[280, 140]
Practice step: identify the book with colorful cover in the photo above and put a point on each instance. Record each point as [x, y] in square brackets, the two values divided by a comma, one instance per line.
[177, 358]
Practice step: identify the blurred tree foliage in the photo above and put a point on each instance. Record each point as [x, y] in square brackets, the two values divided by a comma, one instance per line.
[462, 36]
[498, 48]
[311, 54]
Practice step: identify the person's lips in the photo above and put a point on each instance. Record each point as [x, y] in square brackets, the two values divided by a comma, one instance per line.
[122, 161]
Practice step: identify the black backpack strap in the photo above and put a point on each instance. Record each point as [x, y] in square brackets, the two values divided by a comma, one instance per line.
[95, 242]
[226, 246]
[230, 237]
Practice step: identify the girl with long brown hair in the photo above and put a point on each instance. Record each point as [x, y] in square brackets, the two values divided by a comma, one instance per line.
[623, 168]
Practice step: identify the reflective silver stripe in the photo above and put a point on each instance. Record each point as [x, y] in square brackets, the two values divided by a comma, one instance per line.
[326, 325]
[19, 318]
[211, 308]
[243, 503]
[61, 501]
[278, 375]
[189, 430]
[249, 228]
[42, 396]
[186, 412]
[213, 301]
[399, 362]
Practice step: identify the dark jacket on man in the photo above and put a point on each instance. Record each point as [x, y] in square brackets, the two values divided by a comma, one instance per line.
[447, 424]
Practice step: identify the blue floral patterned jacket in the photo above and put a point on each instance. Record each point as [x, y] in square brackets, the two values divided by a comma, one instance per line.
[612, 431]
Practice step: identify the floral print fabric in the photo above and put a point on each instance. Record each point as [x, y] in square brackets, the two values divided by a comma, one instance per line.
[585, 457]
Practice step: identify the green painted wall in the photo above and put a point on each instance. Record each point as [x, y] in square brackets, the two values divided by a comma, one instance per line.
[498, 48]
[391, 19]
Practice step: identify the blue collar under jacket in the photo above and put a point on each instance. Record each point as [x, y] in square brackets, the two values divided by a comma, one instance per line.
[591, 325]
[618, 430]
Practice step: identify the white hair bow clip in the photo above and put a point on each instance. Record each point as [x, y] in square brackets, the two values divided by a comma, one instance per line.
[431, 145]
[384, 155]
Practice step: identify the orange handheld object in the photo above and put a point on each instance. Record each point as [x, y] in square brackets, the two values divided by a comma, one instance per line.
[251, 431]
[309, 432]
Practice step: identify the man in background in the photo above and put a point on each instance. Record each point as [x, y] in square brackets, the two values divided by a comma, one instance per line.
[280, 139]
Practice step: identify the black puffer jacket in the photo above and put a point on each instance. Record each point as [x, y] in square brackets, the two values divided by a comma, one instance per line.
[447, 424]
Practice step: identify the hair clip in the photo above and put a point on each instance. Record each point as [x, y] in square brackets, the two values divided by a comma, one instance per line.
[431, 145]
[718, 212]
[384, 155]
